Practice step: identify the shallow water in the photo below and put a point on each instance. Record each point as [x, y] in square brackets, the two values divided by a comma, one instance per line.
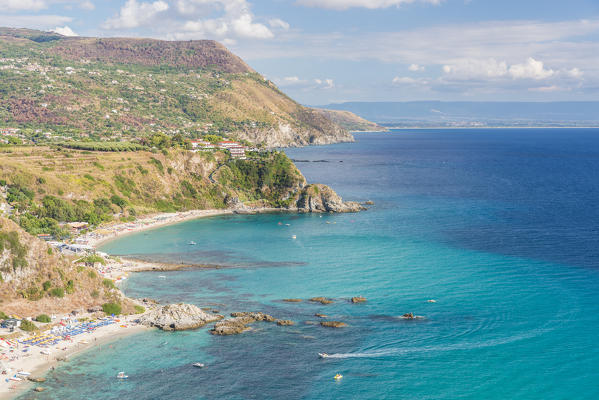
[498, 226]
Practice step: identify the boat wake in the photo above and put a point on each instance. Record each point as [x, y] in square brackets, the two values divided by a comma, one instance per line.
[452, 347]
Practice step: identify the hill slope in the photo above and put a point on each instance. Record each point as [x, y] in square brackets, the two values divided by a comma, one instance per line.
[116, 87]
[350, 121]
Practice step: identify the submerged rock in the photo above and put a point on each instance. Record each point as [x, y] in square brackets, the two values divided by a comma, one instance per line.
[411, 316]
[369, 203]
[39, 389]
[322, 300]
[38, 380]
[333, 324]
[358, 299]
[239, 323]
[293, 300]
[320, 315]
[177, 317]
[285, 322]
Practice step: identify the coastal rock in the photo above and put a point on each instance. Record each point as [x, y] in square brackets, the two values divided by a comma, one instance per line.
[321, 300]
[94, 309]
[177, 317]
[293, 300]
[369, 203]
[39, 389]
[321, 198]
[239, 323]
[320, 315]
[333, 324]
[358, 299]
[285, 322]
[38, 380]
[411, 316]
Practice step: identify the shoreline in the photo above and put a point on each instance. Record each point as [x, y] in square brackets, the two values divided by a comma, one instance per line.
[38, 364]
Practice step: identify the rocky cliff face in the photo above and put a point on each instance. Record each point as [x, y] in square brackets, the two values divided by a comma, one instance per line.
[286, 135]
[321, 198]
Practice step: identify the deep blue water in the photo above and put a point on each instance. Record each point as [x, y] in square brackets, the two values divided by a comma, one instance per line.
[499, 226]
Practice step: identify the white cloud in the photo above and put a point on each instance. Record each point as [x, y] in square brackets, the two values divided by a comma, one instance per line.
[19, 5]
[531, 69]
[87, 5]
[491, 68]
[416, 68]
[306, 84]
[43, 22]
[370, 4]
[65, 31]
[408, 81]
[134, 14]
[225, 20]
[278, 23]
[547, 89]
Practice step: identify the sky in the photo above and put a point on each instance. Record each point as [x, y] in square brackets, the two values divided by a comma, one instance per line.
[331, 51]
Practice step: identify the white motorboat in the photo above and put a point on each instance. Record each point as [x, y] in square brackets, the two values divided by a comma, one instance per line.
[121, 375]
[191, 243]
[323, 355]
[198, 365]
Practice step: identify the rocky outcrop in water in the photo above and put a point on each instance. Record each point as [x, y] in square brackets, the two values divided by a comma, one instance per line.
[292, 300]
[177, 317]
[285, 322]
[333, 324]
[321, 300]
[358, 299]
[239, 323]
[321, 198]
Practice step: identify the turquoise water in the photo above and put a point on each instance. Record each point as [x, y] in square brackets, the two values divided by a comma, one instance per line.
[498, 226]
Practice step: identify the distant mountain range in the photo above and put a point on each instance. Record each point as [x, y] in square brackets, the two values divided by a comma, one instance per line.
[440, 113]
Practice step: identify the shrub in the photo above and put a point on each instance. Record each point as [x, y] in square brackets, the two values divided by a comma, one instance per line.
[57, 292]
[28, 326]
[43, 318]
[139, 309]
[50, 251]
[92, 274]
[108, 283]
[95, 294]
[47, 285]
[70, 288]
[3, 315]
[111, 308]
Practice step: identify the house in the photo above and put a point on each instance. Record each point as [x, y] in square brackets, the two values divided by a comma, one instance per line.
[9, 131]
[45, 236]
[201, 145]
[236, 149]
[11, 323]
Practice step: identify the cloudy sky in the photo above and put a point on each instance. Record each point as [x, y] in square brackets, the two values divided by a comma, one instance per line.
[322, 51]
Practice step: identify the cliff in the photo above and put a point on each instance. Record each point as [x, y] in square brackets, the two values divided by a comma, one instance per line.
[350, 121]
[122, 88]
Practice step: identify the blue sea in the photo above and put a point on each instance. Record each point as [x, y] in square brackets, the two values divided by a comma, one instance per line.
[499, 226]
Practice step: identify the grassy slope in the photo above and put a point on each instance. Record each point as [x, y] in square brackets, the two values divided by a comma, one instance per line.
[129, 87]
[22, 289]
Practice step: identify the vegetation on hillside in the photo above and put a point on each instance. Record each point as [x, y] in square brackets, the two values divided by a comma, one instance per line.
[55, 88]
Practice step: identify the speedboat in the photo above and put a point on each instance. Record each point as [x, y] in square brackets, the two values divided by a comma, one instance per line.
[23, 373]
[293, 237]
[191, 243]
[121, 375]
[323, 355]
[338, 377]
[198, 365]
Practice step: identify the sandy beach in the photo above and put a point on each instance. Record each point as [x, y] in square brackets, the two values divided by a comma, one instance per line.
[37, 364]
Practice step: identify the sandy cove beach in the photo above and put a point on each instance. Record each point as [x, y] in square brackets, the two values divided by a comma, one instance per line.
[37, 364]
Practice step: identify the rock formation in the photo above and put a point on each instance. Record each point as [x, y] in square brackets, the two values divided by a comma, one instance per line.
[285, 322]
[321, 198]
[333, 324]
[239, 323]
[177, 317]
[321, 300]
[358, 299]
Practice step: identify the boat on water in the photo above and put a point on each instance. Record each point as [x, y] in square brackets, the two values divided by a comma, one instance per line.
[23, 373]
[293, 237]
[198, 365]
[15, 378]
[162, 276]
[338, 377]
[323, 355]
[191, 243]
[121, 375]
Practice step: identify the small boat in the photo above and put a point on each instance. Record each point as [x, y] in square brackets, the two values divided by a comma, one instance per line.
[24, 373]
[15, 378]
[323, 355]
[191, 243]
[293, 237]
[121, 375]
[338, 377]
[431, 301]
[162, 276]
[198, 365]
[46, 352]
